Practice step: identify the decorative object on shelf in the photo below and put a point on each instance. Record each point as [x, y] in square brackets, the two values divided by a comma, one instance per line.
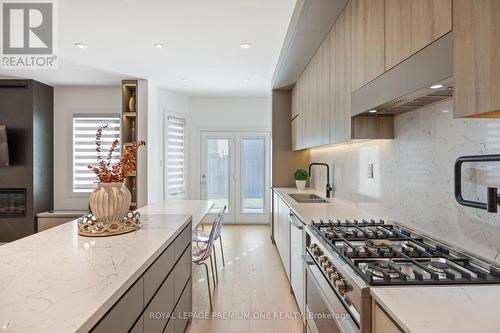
[133, 190]
[131, 103]
[132, 130]
[89, 225]
[300, 176]
[110, 201]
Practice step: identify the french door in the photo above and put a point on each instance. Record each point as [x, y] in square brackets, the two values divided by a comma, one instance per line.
[235, 173]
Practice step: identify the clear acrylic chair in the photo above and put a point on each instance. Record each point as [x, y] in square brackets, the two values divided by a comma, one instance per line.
[200, 256]
[203, 236]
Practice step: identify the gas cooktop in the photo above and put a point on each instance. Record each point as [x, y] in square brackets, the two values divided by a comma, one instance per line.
[385, 254]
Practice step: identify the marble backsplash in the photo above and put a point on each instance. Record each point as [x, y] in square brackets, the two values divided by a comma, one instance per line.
[413, 176]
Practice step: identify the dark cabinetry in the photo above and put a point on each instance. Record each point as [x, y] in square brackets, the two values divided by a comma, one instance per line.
[26, 109]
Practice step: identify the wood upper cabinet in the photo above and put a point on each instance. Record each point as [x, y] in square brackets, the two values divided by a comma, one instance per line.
[410, 25]
[340, 78]
[476, 58]
[367, 41]
[322, 77]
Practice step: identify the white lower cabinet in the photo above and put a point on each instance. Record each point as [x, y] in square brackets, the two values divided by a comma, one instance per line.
[284, 235]
[289, 239]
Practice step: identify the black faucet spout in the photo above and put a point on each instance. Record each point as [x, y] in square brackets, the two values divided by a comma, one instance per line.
[329, 188]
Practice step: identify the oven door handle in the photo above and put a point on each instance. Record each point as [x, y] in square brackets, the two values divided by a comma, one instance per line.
[331, 299]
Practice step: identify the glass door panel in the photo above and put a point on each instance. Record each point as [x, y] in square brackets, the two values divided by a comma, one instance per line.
[253, 175]
[218, 172]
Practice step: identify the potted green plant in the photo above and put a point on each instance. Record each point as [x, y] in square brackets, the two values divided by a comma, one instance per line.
[300, 176]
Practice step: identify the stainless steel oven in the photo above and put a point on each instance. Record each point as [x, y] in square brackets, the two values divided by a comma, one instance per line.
[324, 311]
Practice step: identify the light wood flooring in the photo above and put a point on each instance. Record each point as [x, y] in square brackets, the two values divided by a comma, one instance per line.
[252, 284]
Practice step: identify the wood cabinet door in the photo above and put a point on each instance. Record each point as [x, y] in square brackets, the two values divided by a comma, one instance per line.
[381, 323]
[340, 78]
[476, 58]
[367, 41]
[293, 114]
[411, 25]
[323, 88]
[309, 103]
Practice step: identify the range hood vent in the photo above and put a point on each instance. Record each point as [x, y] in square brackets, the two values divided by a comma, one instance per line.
[407, 86]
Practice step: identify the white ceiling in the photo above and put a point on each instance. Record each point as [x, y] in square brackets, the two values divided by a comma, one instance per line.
[201, 38]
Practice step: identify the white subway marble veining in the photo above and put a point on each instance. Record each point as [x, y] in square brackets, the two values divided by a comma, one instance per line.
[413, 176]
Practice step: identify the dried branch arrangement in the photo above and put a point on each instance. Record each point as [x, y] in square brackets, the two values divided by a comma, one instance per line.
[105, 171]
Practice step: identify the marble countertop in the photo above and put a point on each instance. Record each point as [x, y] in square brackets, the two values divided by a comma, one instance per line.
[58, 281]
[416, 309]
[432, 309]
[334, 209]
[197, 208]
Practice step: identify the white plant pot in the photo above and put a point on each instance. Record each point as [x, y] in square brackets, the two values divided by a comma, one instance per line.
[301, 184]
[110, 202]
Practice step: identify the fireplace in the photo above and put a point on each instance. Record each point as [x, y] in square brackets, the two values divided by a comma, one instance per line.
[12, 202]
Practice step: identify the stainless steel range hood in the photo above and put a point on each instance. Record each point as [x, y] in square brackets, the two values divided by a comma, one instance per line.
[406, 86]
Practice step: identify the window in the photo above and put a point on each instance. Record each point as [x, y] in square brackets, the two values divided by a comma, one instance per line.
[175, 155]
[84, 148]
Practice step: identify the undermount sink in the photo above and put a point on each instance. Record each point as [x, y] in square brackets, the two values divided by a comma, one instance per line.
[307, 198]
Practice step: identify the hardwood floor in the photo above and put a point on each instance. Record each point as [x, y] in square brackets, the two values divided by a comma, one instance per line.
[252, 284]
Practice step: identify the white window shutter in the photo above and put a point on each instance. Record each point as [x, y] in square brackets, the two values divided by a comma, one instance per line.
[175, 155]
[84, 147]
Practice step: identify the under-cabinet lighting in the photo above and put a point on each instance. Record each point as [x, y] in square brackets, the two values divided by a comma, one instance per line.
[373, 111]
[436, 86]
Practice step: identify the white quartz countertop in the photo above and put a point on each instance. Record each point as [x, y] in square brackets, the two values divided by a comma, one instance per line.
[197, 208]
[58, 281]
[416, 309]
[334, 209]
[432, 309]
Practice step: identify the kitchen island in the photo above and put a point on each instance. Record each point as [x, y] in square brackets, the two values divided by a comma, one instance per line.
[58, 281]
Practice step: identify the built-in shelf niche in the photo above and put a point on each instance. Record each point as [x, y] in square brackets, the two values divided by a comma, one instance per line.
[129, 130]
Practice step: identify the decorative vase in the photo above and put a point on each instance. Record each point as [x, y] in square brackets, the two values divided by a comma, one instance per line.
[301, 184]
[131, 104]
[110, 202]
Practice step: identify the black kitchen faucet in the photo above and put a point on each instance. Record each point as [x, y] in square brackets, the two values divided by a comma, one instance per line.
[328, 187]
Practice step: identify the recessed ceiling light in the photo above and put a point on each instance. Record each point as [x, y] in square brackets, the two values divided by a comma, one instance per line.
[245, 45]
[159, 45]
[373, 111]
[246, 80]
[436, 86]
[80, 45]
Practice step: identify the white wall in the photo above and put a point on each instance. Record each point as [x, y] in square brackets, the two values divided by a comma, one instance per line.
[68, 101]
[162, 103]
[222, 114]
[413, 176]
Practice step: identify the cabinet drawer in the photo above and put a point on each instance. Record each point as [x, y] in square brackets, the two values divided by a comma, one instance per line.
[182, 241]
[156, 314]
[139, 326]
[157, 272]
[182, 310]
[182, 272]
[170, 327]
[124, 313]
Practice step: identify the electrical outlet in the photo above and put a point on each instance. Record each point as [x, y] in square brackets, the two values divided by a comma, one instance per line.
[370, 170]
